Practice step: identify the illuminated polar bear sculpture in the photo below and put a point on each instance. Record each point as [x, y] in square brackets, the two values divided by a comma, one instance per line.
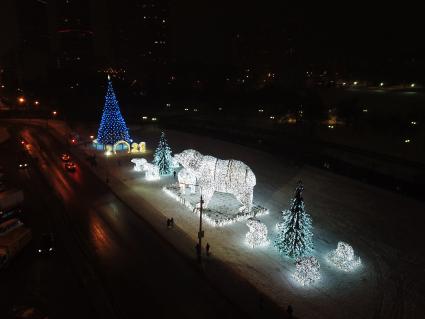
[142, 165]
[138, 164]
[213, 174]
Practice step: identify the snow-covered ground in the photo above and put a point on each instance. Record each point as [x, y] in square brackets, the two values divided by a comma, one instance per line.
[384, 228]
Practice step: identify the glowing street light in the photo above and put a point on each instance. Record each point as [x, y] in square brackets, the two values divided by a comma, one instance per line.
[54, 113]
[381, 84]
[36, 103]
[355, 82]
[21, 99]
[412, 85]
[91, 137]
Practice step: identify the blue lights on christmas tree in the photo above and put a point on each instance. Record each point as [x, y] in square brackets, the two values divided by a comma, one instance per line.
[112, 126]
[162, 157]
[294, 237]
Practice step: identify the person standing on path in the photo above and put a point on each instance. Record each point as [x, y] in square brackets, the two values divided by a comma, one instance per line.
[207, 248]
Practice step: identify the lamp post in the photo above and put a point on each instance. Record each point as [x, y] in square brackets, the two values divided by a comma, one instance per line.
[200, 231]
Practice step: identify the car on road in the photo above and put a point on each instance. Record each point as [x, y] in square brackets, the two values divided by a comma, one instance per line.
[65, 157]
[23, 164]
[47, 244]
[9, 225]
[70, 166]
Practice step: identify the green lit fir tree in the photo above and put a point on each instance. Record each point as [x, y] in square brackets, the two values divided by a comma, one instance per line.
[162, 157]
[295, 237]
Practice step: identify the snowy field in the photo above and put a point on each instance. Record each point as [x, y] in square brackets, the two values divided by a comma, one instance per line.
[384, 228]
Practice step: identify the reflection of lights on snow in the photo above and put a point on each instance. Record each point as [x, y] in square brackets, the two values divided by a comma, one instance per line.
[343, 257]
[307, 270]
[257, 235]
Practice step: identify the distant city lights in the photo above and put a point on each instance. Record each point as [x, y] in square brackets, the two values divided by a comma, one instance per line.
[260, 110]
[413, 123]
[407, 140]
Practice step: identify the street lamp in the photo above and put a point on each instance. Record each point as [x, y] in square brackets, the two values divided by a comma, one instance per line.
[36, 103]
[21, 100]
[200, 231]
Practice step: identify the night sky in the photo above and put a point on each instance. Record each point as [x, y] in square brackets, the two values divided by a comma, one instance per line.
[204, 31]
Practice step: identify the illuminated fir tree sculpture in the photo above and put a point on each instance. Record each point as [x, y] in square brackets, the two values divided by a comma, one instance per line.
[162, 157]
[295, 238]
[112, 126]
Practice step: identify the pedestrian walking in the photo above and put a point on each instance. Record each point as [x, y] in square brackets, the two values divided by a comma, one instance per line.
[168, 223]
[289, 310]
[174, 174]
[198, 250]
[172, 222]
[208, 249]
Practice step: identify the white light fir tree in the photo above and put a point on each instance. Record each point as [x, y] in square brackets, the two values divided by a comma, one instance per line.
[294, 237]
[162, 157]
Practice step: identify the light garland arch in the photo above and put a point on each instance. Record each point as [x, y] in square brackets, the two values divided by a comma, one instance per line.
[122, 142]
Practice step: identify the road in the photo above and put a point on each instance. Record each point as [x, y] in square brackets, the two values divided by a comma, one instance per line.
[126, 268]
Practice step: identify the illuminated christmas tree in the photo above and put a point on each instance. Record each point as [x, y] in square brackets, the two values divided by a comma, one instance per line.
[294, 237]
[162, 157]
[112, 126]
